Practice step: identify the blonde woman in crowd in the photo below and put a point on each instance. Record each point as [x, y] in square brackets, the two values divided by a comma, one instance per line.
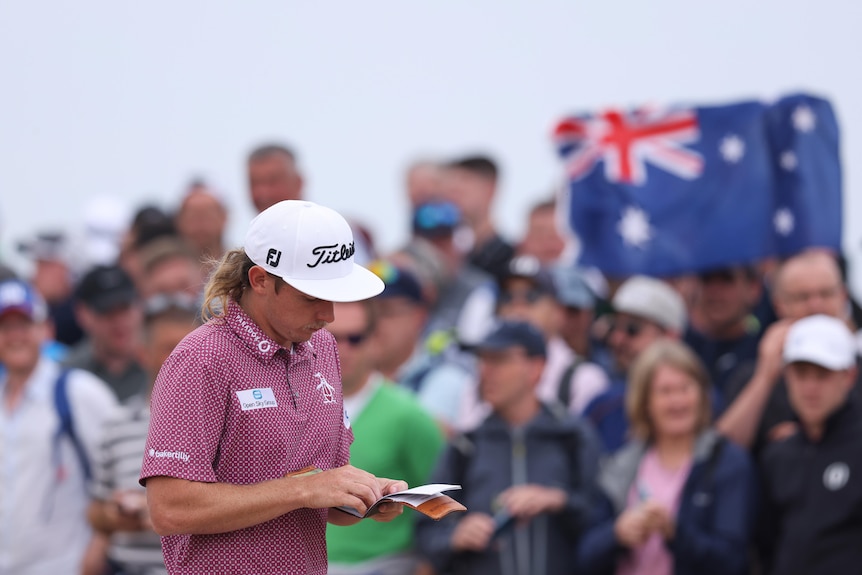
[677, 498]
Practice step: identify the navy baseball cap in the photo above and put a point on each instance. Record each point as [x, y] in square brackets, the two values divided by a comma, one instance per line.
[530, 268]
[510, 333]
[104, 288]
[398, 281]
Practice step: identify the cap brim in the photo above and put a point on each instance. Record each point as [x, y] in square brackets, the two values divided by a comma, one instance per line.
[358, 285]
[830, 363]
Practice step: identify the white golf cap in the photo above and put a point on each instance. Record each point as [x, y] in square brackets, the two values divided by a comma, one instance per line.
[652, 299]
[311, 248]
[822, 340]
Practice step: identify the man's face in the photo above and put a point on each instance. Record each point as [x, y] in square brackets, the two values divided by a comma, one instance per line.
[726, 296]
[399, 325]
[629, 336]
[351, 332]
[520, 299]
[470, 192]
[292, 316]
[115, 332]
[272, 179]
[809, 286]
[20, 341]
[816, 392]
[201, 220]
[162, 337]
[542, 239]
[575, 327]
[507, 377]
[177, 274]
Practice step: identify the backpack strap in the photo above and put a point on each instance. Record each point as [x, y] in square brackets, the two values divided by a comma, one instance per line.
[564, 389]
[67, 422]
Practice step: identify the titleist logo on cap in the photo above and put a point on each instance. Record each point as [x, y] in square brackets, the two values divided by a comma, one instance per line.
[331, 254]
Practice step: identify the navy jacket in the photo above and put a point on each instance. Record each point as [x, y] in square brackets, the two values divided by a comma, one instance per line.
[714, 525]
[554, 449]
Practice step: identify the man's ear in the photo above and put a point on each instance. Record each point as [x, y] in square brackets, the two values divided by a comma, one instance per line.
[258, 278]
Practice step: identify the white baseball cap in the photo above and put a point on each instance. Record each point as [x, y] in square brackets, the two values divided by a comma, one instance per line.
[311, 248]
[652, 299]
[822, 340]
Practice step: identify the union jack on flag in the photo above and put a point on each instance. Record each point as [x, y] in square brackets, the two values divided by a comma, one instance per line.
[688, 189]
[625, 142]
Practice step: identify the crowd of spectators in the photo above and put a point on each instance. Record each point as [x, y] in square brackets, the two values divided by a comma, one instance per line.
[700, 424]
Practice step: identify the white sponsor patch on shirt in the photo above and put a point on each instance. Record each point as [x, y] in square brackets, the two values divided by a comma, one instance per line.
[256, 398]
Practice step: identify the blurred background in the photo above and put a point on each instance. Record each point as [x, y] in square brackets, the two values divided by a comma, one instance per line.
[132, 100]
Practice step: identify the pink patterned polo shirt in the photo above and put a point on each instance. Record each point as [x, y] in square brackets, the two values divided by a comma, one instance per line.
[232, 406]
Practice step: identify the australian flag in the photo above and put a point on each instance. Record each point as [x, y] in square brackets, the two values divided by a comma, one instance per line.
[671, 191]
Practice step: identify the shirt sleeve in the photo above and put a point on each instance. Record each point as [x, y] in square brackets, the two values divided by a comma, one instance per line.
[188, 409]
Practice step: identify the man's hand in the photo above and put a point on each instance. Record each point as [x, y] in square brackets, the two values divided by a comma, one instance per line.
[389, 510]
[473, 532]
[770, 350]
[345, 486]
[527, 501]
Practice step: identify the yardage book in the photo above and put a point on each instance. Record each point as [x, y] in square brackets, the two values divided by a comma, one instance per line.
[428, 499]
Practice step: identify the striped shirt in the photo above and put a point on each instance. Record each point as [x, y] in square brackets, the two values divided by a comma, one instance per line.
[117, 468]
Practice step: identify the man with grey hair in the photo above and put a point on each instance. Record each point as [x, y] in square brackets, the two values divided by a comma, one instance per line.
[273, 175]
[645, 309]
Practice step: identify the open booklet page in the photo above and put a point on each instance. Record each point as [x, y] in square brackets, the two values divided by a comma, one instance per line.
[427, 499]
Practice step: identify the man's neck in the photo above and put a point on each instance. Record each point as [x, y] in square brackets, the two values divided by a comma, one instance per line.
[351, 388]
[814, 431]
[16, 382]
[521, 412]
[483, 231]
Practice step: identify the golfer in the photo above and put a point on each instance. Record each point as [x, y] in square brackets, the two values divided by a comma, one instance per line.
[254, 395]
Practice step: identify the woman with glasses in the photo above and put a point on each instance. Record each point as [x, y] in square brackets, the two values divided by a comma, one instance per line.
[677, 498]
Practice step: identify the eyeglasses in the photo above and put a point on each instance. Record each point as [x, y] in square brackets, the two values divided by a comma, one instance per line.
[629, 328]
[530, 296]
[351, 339]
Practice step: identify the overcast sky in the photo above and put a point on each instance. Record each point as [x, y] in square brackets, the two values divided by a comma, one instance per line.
[132, 99]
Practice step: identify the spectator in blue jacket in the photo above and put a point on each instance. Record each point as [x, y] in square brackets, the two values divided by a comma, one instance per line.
[677, 499]
[527, 472]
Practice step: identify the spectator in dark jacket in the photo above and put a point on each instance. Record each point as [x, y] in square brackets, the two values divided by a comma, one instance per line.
[812, 521]
[526, 472]
[677, 499]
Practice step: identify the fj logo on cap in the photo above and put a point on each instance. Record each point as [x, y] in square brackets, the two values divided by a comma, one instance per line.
[273, 256]
[331, 254]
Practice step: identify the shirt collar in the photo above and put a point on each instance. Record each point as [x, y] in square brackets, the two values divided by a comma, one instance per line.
[254, 338]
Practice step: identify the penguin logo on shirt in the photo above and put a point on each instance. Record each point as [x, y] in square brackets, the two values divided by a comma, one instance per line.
[836, 476]
[326, 390]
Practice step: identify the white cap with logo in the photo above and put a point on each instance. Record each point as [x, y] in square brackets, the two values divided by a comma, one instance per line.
[823, 340]
[311, 248]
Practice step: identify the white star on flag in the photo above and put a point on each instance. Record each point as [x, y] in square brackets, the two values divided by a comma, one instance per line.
[634, 227]
[732, 148]
[804, 119]
[784, 221]
[788, 160]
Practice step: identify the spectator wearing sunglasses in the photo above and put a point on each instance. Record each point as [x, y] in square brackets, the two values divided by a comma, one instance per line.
[645, 310]
[723, 330]
[394, 436]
